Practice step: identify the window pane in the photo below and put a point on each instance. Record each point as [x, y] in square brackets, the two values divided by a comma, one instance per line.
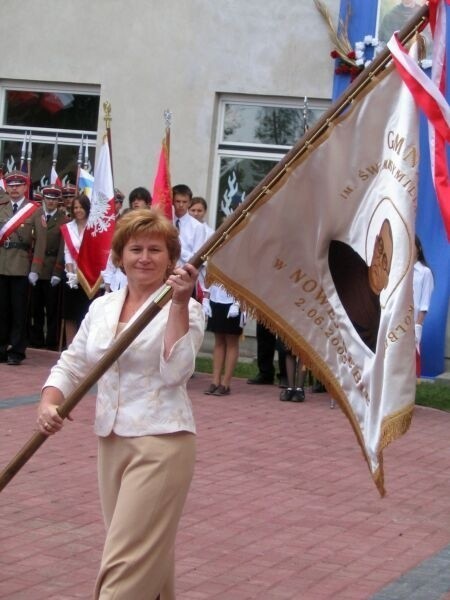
[238, 177]
[56, 110]
[244, 123]
[41, 163]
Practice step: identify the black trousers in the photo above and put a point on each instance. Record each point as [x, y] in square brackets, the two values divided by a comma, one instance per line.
[45, 314]
[14, 294]
[266, 343]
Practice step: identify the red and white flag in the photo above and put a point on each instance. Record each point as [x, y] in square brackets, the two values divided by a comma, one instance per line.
[96, 243]
[324, 258]
[162, 188]
[429, 94]
[54, 177]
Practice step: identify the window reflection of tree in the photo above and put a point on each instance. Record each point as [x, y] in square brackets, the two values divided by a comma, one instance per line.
[247, 173]
[280, 126]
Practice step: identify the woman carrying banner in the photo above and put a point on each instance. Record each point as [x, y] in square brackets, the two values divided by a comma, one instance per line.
[143, 413]
[423, 285]
[76, 302]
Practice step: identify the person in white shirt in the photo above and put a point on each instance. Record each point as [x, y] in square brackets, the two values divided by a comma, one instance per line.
[226, 321]
[113, 277]
[76, 302]
[198, 210]
[144, 419]
[423, 285]
[192, 232]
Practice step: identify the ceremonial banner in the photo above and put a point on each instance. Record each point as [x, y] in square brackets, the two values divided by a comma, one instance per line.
[325, 260]
[162, 188]
[96, 243]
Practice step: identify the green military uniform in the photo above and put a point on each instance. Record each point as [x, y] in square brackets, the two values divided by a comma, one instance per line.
[46, 295]
[21, 252]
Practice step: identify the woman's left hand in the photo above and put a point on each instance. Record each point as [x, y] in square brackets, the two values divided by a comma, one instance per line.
[182, 282]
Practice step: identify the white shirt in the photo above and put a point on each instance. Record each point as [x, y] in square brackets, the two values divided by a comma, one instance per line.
[142, 393]
[218, 294]
[114, 276]
[423, 285]
[208, 231]
[18, 202]
[192, 236]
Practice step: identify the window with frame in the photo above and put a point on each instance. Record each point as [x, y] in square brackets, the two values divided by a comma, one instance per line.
[253, 135]
[36, 115]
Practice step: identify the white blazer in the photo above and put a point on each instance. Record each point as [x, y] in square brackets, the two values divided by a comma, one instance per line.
[141, 393]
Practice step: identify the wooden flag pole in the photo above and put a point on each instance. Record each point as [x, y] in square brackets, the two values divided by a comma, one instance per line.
[216, 240]
[168, 122]
[107, 118]
[79, 161]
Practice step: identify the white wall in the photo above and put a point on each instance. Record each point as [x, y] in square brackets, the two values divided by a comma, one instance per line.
[151, 54]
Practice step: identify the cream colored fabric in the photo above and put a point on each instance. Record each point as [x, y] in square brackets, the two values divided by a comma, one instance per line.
[142, 393]
[362, 171]
[143, 486]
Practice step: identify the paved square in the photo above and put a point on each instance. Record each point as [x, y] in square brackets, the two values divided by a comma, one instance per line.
[282, 505]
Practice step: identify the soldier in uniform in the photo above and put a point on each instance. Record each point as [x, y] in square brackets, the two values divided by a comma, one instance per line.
[22, 249]
[69, 192]
[46, 295]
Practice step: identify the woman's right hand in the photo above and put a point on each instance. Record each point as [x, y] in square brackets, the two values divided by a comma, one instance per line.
[49, 421]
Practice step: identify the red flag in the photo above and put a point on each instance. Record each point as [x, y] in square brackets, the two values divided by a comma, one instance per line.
[99, 230]
[162, 189]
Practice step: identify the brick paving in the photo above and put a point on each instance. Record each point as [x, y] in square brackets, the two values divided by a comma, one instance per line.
[281, 507]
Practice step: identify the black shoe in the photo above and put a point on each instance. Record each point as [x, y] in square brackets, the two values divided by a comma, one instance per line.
[298, 395]
[3, 357]
[260, 380]
[211, 389]
[286, 394]
[221, 390]
[14, 361]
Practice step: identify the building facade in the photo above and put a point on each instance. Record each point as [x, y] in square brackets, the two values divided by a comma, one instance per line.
[241, 78]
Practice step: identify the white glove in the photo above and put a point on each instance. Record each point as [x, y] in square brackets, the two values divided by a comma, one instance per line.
[418, 334]
[72, 281]
[54, 281]
[233, 311]
[206, 307]
[33, 277]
